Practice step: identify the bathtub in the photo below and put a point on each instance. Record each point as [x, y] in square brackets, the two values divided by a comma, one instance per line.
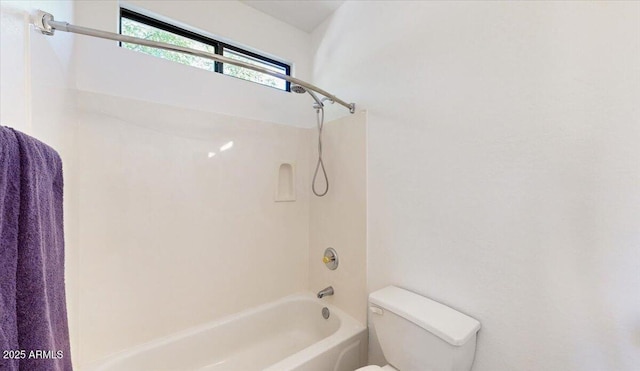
[288, 334]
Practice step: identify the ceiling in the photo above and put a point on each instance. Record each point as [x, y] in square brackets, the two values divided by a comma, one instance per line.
[305, 15]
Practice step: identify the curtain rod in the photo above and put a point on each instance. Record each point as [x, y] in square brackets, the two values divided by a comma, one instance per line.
[45, 23]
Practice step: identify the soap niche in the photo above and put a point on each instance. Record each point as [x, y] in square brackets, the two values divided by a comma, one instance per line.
[285, 188]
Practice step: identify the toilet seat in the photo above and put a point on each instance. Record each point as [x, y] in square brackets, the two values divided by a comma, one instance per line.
[376, 368]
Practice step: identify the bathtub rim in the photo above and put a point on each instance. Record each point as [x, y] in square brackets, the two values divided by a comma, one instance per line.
[348, 328]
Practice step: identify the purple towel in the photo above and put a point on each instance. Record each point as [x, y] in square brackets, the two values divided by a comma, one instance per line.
[39, 314]
[9, 208]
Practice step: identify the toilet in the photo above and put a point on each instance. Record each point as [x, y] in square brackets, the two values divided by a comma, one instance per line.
[419, 334]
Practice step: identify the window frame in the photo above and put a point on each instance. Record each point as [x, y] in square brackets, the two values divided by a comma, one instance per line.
[218, 46]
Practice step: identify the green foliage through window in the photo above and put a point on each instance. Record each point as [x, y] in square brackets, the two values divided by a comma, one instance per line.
[143, 31]
[140, 29]
[247, 74]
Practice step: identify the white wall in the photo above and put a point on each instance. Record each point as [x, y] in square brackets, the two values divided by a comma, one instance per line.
[36, 97]
[339, 219]
[503, 167]
[104, 67]
[35, 69]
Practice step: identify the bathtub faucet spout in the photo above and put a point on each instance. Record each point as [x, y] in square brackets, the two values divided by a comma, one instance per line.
[325, 292]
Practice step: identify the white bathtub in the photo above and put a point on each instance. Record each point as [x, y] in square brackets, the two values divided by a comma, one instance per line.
[288, 334]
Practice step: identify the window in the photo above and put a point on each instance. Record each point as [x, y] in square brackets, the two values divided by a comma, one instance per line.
[142, 26]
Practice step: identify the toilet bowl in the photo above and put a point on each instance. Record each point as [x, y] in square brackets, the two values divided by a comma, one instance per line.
[419, 334]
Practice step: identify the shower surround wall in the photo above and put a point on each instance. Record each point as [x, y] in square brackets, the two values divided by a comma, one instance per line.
[174, 231]
[504, 168]
[339, 219]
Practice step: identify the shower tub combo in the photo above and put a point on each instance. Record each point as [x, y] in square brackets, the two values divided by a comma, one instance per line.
[288, 334]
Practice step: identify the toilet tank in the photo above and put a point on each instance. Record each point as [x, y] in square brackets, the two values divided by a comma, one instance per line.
[419, 334]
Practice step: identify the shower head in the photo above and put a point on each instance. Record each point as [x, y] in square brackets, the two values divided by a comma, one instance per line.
[301, 90]
[298, 89]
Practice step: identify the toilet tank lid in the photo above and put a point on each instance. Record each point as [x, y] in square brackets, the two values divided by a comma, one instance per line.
[448, 324]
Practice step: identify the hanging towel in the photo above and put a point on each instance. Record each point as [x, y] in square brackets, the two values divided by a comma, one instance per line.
[9, 208]
[40, 304]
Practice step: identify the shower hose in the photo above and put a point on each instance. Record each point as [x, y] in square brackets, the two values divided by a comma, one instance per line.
[320, 164]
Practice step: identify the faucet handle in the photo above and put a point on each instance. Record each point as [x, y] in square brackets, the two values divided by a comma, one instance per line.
[330, 258]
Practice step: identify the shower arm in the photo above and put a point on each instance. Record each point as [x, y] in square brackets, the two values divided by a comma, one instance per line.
[45, 23]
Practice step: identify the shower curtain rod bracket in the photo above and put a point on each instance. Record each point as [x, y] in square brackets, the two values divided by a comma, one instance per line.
[45, 23]
[41, 21]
